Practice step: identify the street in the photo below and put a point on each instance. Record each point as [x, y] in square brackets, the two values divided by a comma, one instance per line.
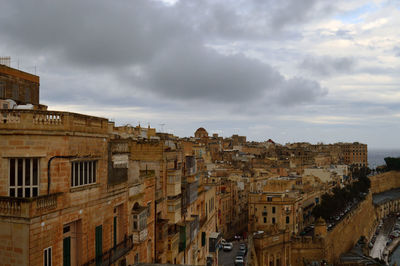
[382, 237]
[227, 258]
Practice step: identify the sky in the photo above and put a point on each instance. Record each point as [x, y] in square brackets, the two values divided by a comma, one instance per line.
[289, 70]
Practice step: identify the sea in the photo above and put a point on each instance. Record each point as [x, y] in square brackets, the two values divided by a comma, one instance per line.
[375, 158]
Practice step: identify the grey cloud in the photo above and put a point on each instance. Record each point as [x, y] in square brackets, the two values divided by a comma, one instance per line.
[191, 71]
[92, 33]
[396, 51]
[326, 66]
[196, 72]
[344, 34]
[298, 90]
[153, 47]
[292, 11]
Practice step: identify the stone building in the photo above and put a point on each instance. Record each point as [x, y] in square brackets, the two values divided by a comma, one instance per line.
[76, 190]
[354, 153]
[58, 201]
[19, 86]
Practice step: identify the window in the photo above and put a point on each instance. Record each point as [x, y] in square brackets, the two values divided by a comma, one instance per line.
[148, 208]
[24, 177]
[28, 95]
[273, 220]
[2, 89]
[269, 198]
[265, 220]
[83, 173]
[47, 256]
[287, 219]
[140, 221]
[273, 209]
[15, 92]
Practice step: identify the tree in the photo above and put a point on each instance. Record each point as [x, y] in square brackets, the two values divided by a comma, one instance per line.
[392, 163]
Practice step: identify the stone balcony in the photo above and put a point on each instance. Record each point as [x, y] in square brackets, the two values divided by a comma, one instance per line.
[28, 207]
[35, 120]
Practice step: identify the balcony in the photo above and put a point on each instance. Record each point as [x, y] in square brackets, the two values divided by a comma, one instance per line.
[139, 236]
[174, 182]
[191, 192]
[173, 189]
[203, 221]
[162, 239]
[28, 207]
[173, 243]
[51, 121]
[139, 230]
[113, 254]
[159, 195]
[174, 210]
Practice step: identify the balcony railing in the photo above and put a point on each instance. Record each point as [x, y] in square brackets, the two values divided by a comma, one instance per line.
[51, 120]
[113, 254]
[28, 207]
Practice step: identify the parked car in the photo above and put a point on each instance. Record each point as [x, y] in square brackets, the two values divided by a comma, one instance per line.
[239, 260]
[241, 252]
[243, 247]
[394, 235]
[228, 246]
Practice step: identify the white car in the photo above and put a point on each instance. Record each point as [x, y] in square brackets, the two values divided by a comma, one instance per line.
[239, 260]
[228, 246]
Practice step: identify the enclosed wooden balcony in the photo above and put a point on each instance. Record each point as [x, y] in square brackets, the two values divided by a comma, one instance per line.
[174, 180]
[173, 242]
[174, 210]
[139, 229]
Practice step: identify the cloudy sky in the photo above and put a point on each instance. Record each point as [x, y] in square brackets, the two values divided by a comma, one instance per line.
[289, 70]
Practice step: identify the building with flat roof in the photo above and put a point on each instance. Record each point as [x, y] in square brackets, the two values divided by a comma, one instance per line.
[19, 86]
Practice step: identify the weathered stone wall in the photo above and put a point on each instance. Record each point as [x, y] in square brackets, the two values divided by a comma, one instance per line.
[14, 243]
[306, 249]
[385, 181]
[357, 223]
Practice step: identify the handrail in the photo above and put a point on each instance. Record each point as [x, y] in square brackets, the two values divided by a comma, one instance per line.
[113, 254]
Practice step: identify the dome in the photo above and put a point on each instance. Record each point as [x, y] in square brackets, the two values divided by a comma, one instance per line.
[201, 133]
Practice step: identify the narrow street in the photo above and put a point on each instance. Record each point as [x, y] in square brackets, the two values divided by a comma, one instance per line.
[227, 258]
[382, 237]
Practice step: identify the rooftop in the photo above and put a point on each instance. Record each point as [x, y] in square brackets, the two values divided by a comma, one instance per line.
[386, 196]
[38, 120]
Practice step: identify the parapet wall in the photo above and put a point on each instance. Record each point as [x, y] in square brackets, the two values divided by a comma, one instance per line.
[357, 223]
[385, 181]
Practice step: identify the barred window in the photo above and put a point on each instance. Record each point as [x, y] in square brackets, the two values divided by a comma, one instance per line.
[24, 177]
[83, 173]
